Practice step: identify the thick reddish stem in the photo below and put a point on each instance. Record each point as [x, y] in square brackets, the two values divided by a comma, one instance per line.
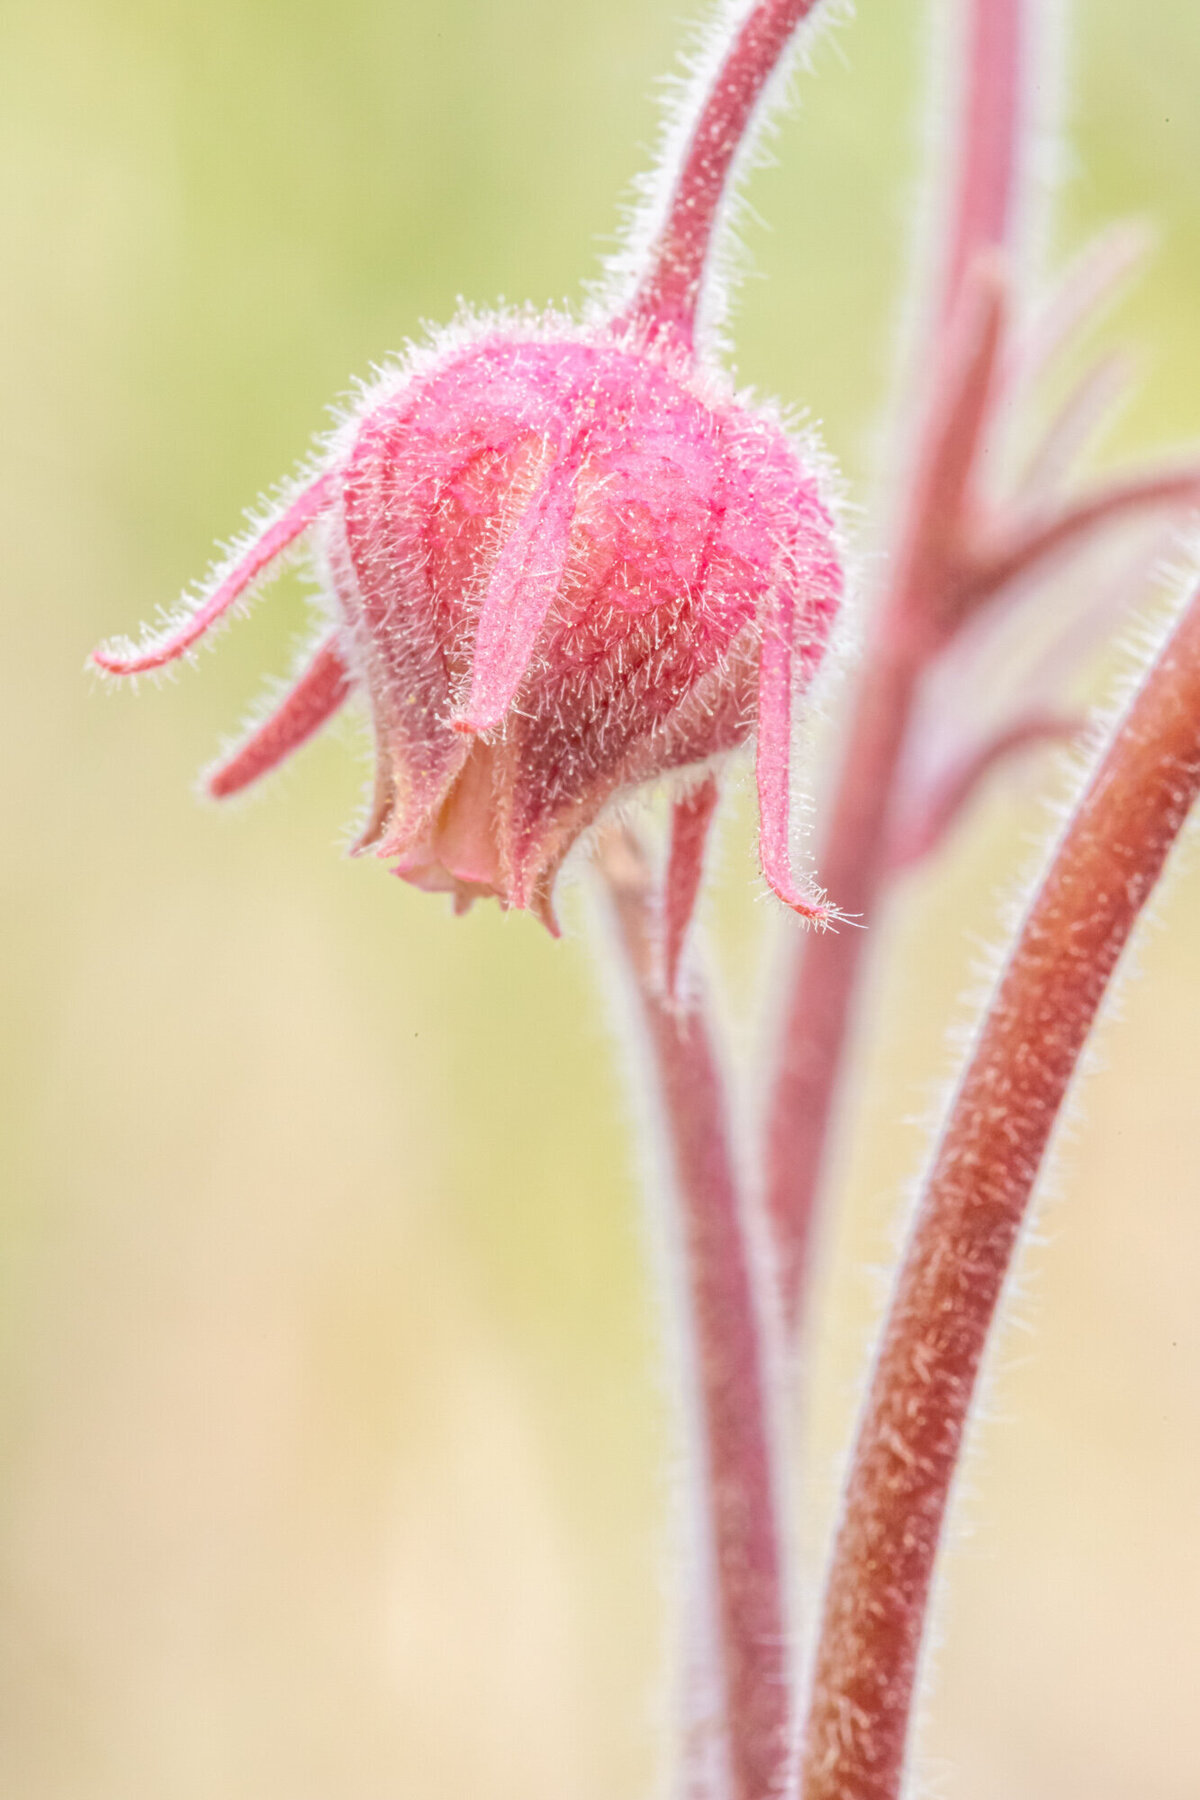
[989, 133]
[740, 1480]
[669, 292]
[966, 1229]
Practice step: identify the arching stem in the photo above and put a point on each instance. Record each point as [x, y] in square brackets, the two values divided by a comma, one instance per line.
[975, 1200]
[670, 290]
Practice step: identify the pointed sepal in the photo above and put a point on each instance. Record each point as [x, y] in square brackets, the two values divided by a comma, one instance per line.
[266, 549]
[309, 704]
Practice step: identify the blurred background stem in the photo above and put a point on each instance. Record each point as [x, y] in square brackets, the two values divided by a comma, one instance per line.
[899, 642]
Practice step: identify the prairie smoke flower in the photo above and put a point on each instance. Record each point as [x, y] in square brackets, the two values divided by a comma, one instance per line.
[561, 561]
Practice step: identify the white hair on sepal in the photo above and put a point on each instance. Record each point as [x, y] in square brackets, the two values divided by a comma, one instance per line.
[683, 98]
[323, 614]
[267, 509]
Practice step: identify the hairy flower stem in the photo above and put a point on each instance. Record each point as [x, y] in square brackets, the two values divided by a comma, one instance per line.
[966, 1229]
[670, 289]
[818, 1014]
[740, 1481]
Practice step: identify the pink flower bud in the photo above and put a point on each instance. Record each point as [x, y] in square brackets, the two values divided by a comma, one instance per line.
[564, 563]
[557, 556]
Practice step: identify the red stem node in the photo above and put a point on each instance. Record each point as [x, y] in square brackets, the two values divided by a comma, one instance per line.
[967, 1225]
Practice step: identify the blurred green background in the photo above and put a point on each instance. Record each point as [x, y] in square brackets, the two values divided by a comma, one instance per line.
[332, 1442]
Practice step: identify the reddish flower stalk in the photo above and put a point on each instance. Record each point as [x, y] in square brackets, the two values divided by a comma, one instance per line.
[967, 1225]
[670, 290]
[739, 1482]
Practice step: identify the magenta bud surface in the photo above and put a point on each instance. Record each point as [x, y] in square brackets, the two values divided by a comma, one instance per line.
[556, 557]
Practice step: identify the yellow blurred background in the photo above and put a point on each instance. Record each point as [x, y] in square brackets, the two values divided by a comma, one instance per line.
[333, 1438]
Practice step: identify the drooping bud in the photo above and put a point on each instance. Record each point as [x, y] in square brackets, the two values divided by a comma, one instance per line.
[564, 564]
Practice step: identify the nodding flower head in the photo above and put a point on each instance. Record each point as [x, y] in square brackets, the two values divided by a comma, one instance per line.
[560, 561]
